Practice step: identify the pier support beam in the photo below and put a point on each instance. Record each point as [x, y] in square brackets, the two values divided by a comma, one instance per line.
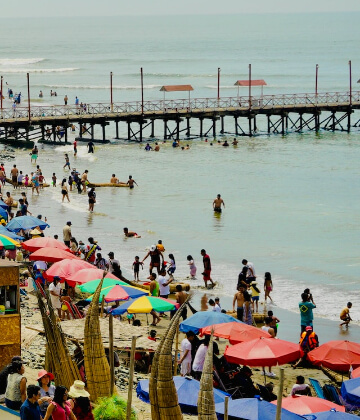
[42, 132]
[92, 132]
[152, 135]
[177, 129]
[66, 133]
[141, 131]
[54, 132]
[214, 127]
[165, 129]
[117, 129]
[201, 126]
[222, 124]
[129, 130]
[187, 126]
[80, 130]
[103, 132]
[236, 126]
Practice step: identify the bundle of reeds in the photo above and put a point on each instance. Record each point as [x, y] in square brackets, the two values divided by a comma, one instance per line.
[57, 355]
[162, 391]
[96, 365]
[206, 403]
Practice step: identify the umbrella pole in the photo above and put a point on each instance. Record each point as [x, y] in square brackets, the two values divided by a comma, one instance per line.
[111, 353]
[176, 351]
[280, 394]
[226, 408]
[131, 378]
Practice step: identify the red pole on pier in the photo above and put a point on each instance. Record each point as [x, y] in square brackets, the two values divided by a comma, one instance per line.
[249, 85]
[316, 80]
[350, 82]
[2, 93]
[218, 90]
[28, 89]
[111, 90]
[142, 90]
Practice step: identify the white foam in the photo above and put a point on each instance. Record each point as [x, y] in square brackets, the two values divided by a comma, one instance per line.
[34, 70]
[19, 61]
[98, 87]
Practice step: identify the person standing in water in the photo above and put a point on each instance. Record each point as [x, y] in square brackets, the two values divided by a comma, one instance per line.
[207, 268]
[131, 182]
[268, 286]
[92, 199]
[90, 146]
[217, 204]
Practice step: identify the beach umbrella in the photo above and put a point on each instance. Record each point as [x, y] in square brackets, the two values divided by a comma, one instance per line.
[3, 205]
[91, 286]
[43, 242]
[338, 355]
[252, 409]
[187, 390]
[25, 223]
[235, 332]
[3, 213]
[8, 243]
[119, 292]
[203, 319]
[262, 352]
[87, 274]
[51, 255]
[307, 405]
[350, 391]
[66, 268]
[12, 235]
[355, 373]
[40, 265]
[144, 305]
[331, 415]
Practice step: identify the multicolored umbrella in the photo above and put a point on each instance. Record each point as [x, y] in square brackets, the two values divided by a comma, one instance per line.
[91, 286]
[43, 242]
[25, 223]
[52, 255]
[88, 274]
[67, 268]
[338, 355]
[235, 332]
[118, 292]
[8, 243]
[307, 405]
[262, 352]
[144, 305]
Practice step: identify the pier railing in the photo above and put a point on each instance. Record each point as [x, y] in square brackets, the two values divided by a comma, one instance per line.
[180, 106]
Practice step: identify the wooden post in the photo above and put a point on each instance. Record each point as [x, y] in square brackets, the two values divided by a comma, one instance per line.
[43, 132]
[111, 91]
[226, 408]
[66, 133]
[188, 126]
[268, 124]
[80, 130]
[165, 129]
[92, 131]
[236, 126]
[152, 128]
[103, 132]
[201, 127]
[102, 307]
[250, 127]
[131, 378]
[129, 130]
[280, 394]
[282, 124]
[222, 124]
[177, 129]
[214, 127]
[117, 129]
[176, 351]
[111, 353]
[2, 93]
[54, 133]
[142, 90]
[316, 81]
[141, 131]
[28, 89]
[350, 92]
[249, 86]
[218, 89]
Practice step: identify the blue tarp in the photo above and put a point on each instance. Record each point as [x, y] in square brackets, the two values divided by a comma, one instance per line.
[330, 415]
[25, 222]
[203, 319]
[350, 391]
[187, 389]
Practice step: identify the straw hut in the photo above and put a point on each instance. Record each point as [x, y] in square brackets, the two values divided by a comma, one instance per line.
[162, 391]
[57, 356]
[96, 365]
[206, 403]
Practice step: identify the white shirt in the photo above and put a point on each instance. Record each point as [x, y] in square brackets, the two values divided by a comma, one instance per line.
[186, 345]
[298, 387]
[164, 290]
[111, 261]
[199, 359]
[55, 300]
[250, 265]
[216, 308]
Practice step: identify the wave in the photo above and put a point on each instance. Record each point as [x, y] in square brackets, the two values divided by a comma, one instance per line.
[30, 70]
[19, 61]
[98, 87]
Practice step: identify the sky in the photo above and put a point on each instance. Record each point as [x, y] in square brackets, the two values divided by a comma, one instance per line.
[74, 8]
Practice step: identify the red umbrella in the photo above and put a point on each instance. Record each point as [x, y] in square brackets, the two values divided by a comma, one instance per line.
[307, 405]
[236, 332]
[337, 355]
[86, 274]
[51, 255]
[262, 352]
[66, 268]
[355, 373]
[42, 242]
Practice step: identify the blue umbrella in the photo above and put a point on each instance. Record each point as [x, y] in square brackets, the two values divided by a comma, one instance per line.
[350, 391]
[203, 319]
[5, 232]
[187, 389]
[253, 409]
[25, 223]
[4, 213]
[330, 415]
[3, 205]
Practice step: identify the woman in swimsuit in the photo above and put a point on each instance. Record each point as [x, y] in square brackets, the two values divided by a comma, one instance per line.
[64, 190]
[268, 286]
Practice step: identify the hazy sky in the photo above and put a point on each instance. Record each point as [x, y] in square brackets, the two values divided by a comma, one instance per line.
[41, 8]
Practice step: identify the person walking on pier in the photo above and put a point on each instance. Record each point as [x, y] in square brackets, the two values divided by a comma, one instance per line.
[76, 101]
[65, 99]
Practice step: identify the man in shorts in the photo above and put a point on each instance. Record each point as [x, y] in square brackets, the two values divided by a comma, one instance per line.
[14, 176]
[207, 268]
[217, 204]
[345, 315]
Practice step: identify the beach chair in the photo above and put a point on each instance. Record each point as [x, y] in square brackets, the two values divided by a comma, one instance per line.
[228, 385]
[332, 394]
[317, 388]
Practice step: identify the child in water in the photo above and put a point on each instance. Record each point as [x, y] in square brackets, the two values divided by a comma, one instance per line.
[192, 266]
[26, 181]
[54, 179]
[136, 268]
[172, 265]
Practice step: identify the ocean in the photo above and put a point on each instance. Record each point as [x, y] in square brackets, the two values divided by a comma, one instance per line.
[292, 203]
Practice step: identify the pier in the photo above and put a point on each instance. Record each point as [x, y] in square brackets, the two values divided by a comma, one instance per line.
[170, 119]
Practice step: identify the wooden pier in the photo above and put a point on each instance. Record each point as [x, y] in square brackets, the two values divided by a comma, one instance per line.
[282, 113]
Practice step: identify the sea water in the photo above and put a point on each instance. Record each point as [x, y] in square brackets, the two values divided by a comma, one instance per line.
[292, 203]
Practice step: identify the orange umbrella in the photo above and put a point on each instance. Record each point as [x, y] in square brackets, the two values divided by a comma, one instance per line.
[51, 255]
[338, 355]
[66, 268]
[236, 332]
[88, 274]
[355, 373]
[43, 242]
[262, 352]
[307, 405]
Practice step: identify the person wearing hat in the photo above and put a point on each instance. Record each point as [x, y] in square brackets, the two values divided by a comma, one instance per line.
[47, 390]
[80, 401]
[308, 341]
[55, 293]
[155, 256]
[67, 234]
